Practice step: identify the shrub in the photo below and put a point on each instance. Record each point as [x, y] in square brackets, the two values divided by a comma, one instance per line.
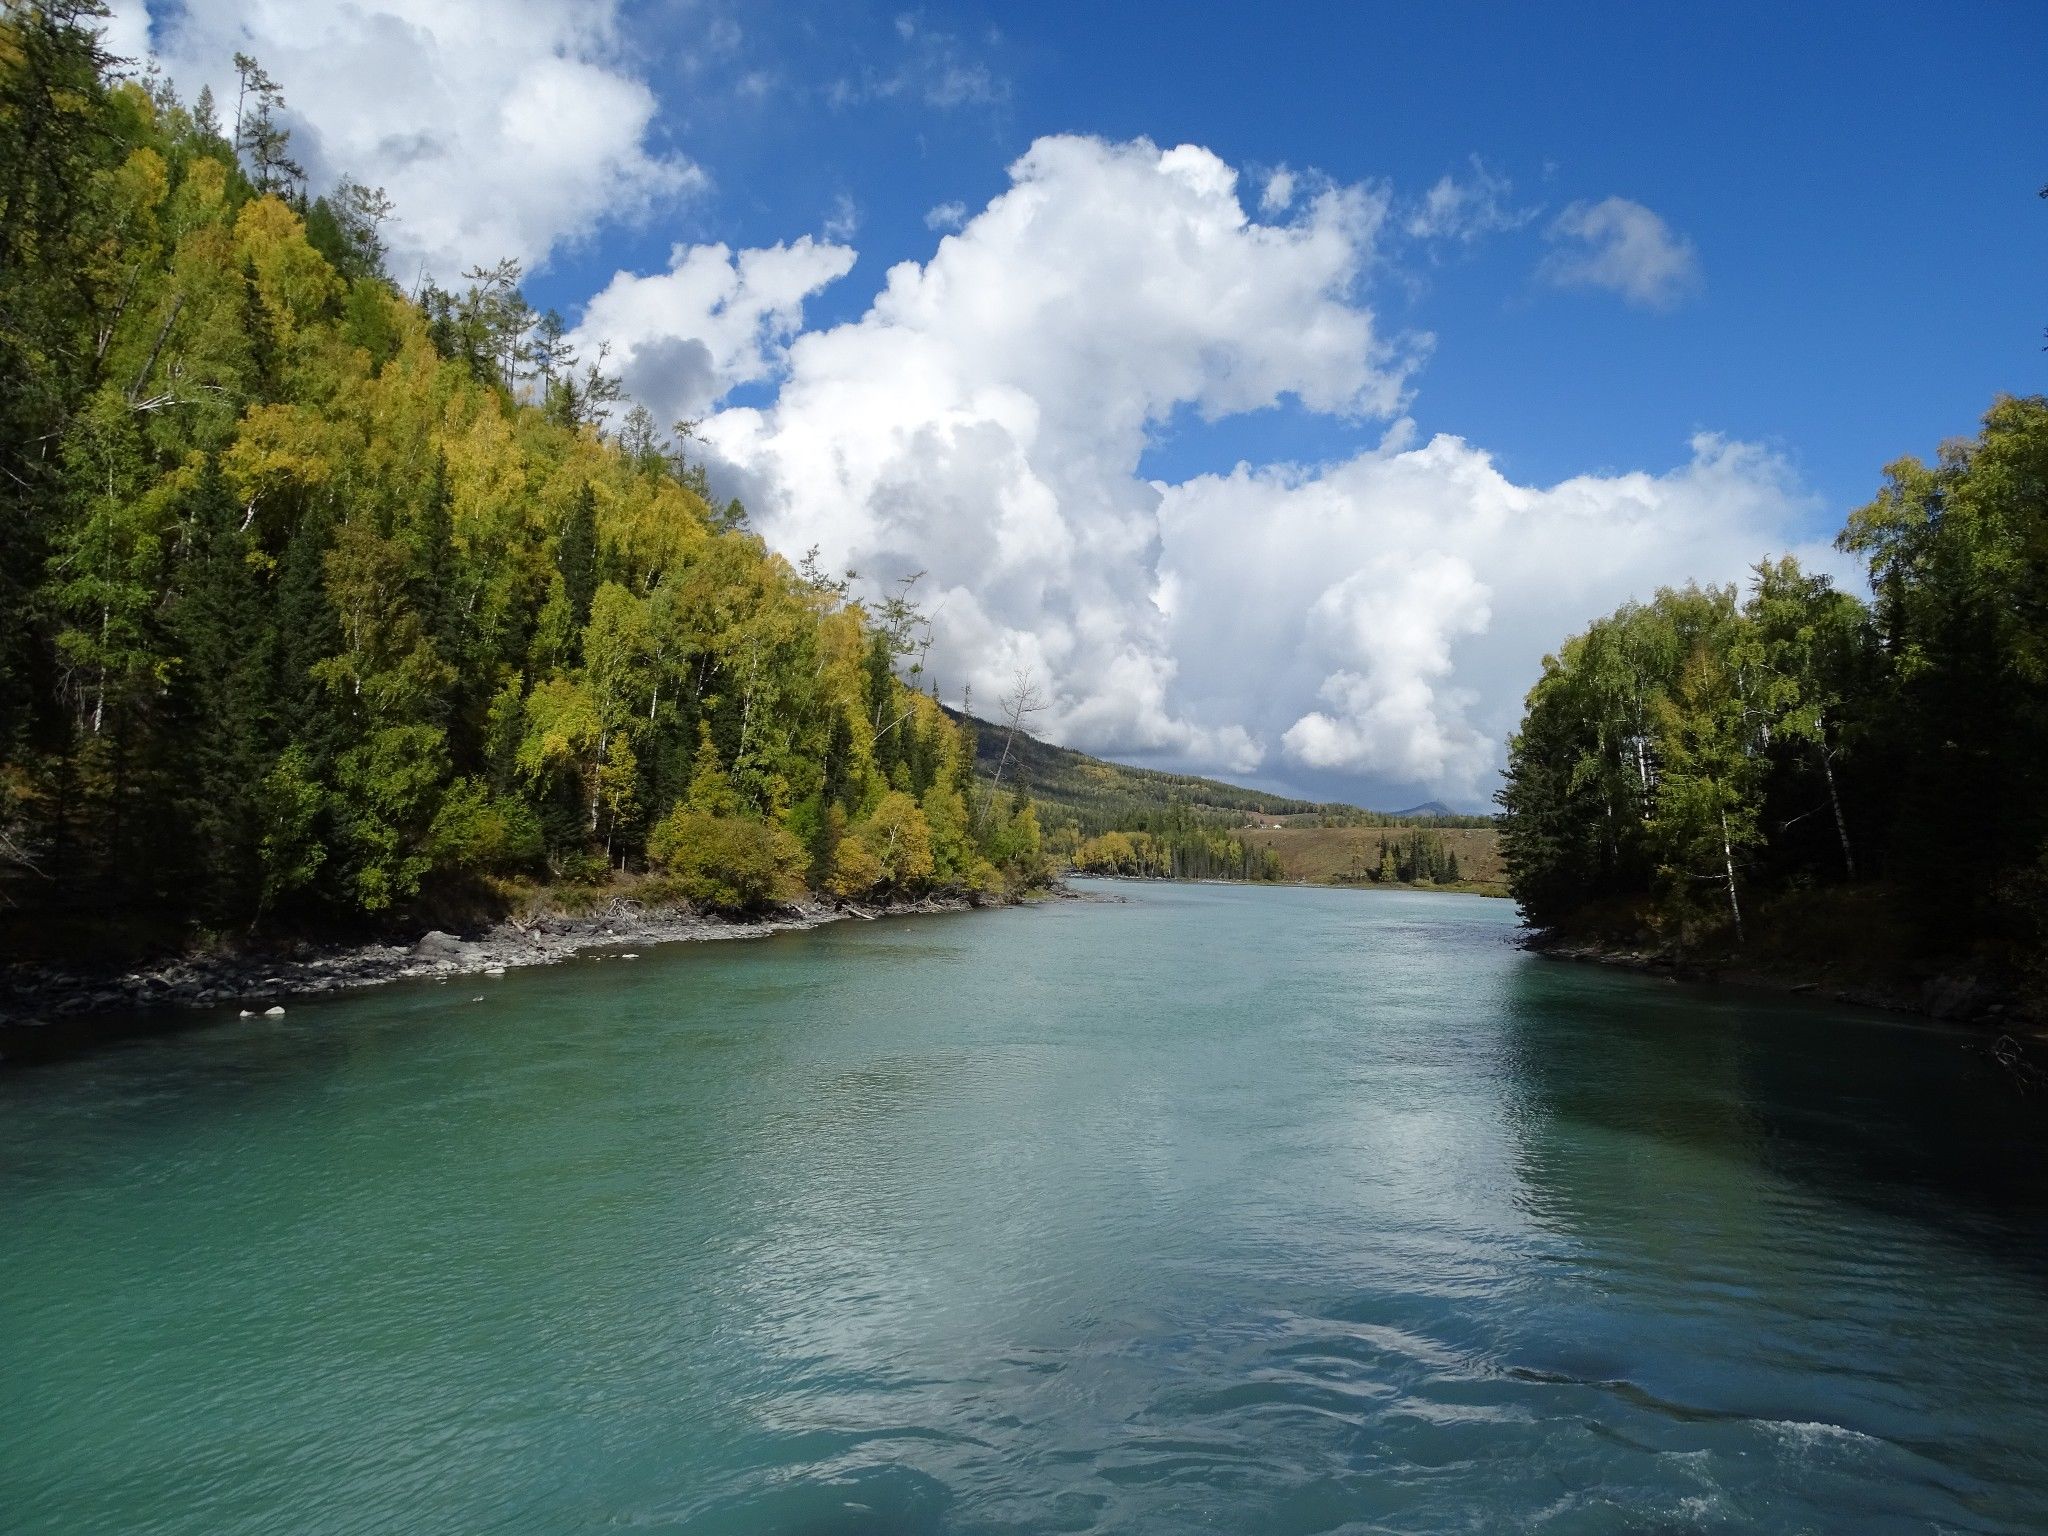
[477, 832]
[900, 838]
[855, 869]
[729, 863]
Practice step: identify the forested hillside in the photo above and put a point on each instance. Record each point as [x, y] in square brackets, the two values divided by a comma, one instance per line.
[1798, 769]
[1420, 854]
[1109, 818]
[319, 600]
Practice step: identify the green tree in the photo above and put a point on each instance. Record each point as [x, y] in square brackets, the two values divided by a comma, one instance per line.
[576, 555]
[1707, 801]
[219, 692]
[1811, 652]
[304, 606]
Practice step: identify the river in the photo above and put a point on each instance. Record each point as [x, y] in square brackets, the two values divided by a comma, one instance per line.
[1210, 1208]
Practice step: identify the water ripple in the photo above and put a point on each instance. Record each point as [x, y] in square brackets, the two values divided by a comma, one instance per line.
[1219, 1210]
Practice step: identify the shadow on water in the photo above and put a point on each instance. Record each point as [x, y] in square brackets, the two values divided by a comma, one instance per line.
[1904, 1118]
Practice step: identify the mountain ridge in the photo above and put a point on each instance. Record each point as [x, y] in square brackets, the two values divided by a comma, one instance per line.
[1100, 794]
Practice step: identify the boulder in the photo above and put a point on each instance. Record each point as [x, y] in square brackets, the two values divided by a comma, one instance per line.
[437, 945]
[1954, 997]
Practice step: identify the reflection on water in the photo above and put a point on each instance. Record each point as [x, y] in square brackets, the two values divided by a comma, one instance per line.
[1274, 1211]
[1908, 1118]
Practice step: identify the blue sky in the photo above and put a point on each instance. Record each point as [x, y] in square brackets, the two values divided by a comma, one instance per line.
[1860, 183]
[1841, 258]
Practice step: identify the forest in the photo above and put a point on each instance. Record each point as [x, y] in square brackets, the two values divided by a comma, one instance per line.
[323, 601]
[1176, 848]
[1101, 817]
[1418, 858]
[1794, 766]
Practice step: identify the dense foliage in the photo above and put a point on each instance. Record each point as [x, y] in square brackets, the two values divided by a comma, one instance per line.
[1183, 850]
[1420, 858]
[318, 599]
[1686, 755]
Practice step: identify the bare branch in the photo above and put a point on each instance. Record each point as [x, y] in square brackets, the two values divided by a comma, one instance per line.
[1022, 701]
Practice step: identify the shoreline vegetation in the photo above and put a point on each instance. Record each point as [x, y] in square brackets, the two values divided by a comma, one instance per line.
[330, 606]
[1101, 817]
[1798, 782]
[1462, 888]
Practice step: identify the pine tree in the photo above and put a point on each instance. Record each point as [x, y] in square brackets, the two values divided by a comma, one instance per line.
[576, 555]
[53, 102]
[431, 557]
[219, 696]
[307, 634]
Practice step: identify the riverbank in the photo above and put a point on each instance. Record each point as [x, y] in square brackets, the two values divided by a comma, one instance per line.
[1952, 996]
[51, 1011]
[2016, 1043]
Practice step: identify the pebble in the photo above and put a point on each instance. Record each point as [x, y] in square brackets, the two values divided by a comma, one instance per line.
[228, 980]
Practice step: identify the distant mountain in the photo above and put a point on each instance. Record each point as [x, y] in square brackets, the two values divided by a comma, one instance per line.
[1100, 795]
[1427, 809]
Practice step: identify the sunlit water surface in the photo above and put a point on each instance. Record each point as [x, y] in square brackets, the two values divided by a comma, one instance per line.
[1217, 1209]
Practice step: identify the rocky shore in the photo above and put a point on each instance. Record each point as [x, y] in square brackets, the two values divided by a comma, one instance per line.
[47, 1011]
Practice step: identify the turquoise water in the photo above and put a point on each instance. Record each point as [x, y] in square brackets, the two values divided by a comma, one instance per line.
[1221, 1209]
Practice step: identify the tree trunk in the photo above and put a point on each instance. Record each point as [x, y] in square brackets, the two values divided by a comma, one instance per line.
[1827, 766]
[1728, 865]
[149, 365]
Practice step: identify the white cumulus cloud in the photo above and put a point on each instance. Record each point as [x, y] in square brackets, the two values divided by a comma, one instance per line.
[681, 339]
[1622, 246]
[986, 418]
[1365, 627]
[1380, 618]
[499, 127]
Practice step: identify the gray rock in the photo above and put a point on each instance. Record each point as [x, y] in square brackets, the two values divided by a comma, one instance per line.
[444, 946]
